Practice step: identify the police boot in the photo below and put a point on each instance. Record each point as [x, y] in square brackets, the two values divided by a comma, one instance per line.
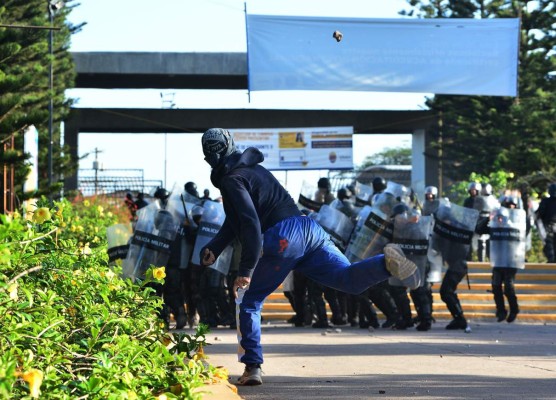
[514, 307]
[322, 318]
[337, 316]
[181, 318]
[459, 321]
[381, 297]
[424, 308]
[399, 293]
[501, 312]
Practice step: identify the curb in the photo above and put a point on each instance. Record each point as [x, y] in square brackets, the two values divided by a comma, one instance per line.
[218, 391]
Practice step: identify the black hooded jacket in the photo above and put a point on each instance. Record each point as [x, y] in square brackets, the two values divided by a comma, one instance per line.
[253, 201]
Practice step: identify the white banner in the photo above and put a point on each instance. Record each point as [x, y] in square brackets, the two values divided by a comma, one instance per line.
[300, 148]
[442, 56]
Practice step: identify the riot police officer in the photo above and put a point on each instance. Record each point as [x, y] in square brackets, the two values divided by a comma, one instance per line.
[191, 188]
[172, 288]
[547, 214]
[379, 186]
[507, 254]
[451, 239]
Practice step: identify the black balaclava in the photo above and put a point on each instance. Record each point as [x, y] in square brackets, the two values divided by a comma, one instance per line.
[217, 145]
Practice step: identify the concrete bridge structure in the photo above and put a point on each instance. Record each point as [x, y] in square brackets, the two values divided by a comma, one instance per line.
[112, 70]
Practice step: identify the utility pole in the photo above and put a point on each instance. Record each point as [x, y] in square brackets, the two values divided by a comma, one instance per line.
[167, 103]
[96, 168]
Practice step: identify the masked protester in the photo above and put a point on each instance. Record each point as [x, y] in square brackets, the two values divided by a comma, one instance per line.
[258, 207]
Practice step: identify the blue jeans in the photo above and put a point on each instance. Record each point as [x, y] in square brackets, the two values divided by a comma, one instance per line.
[298, 243]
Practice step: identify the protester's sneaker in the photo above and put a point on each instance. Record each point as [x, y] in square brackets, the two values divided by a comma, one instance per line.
[400, 267]
[251, 376]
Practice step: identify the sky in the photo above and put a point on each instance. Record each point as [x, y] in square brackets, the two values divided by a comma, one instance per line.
[210, 26]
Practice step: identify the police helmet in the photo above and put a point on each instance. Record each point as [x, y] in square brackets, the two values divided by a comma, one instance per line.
[487, 190]
[552, 190]
[510, 202]
[161, 194]
[474, 186]
[432, 191]
[344, 193]
[324, 183]
[379, 184]
[502, 215]
[191, 188]
[399, 209]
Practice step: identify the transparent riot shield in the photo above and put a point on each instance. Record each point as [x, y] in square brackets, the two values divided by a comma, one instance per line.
[347, 207]
[308, 197]
[335, 223]
[118, 237]
[452, 234]
[411, 233]
[211, 221]
[154, 233]
[373, 229]
[507, 238]
[363, 194]
[223, 262]
[183, 205]
[430, 207]
[400, 192]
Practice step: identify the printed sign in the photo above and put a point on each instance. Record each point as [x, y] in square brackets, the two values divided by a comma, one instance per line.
[300, 148]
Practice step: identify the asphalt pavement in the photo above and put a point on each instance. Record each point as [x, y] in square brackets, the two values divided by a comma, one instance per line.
[493, 361]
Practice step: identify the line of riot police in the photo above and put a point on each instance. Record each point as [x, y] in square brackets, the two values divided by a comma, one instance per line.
[170, 232]
[436, 235]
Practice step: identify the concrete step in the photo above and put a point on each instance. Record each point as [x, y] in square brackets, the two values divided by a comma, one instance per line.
[520, 277]
[444, 315]
[535, 288]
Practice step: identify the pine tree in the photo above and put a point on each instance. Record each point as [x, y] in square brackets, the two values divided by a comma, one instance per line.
[24, 85]
[484, 134]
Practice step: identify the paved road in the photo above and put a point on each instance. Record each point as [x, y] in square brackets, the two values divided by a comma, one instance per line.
[494, 361]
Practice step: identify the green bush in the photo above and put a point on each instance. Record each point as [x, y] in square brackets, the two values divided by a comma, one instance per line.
[72, 328]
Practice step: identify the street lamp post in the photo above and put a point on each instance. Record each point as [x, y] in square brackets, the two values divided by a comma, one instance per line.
[53, 7]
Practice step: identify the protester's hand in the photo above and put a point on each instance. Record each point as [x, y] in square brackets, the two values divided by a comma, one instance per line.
[241, 282]
[207, 257]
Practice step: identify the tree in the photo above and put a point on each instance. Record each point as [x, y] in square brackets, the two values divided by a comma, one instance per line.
[395, 156]
[24, 85]
[486, 134]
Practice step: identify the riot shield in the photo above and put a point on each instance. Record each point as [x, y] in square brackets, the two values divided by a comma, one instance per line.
[183, 205]
[411, 233]
[154, 233]
[211, 221]
[452, 234]
[223, 262]
[335, 223]
[363, 194]
[400, 192]
[346, 207]
[118, 237]
[308, 199]
[373, 229]
[430, 206]
[507, 238]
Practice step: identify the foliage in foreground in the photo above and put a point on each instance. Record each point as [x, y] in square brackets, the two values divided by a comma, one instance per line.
[72, 328]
